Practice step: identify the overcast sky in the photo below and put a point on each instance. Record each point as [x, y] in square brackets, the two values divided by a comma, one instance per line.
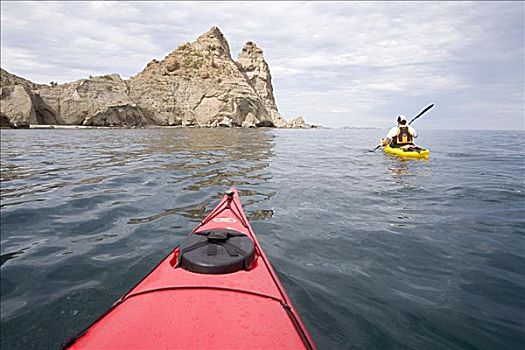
[334, 63]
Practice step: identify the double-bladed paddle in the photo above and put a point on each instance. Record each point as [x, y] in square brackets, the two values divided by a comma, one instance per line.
[421, 113]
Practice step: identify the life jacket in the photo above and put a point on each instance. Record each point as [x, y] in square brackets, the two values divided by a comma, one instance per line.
[403, 137]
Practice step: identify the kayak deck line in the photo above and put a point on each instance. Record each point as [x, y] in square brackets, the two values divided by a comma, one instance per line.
[175, 301]
[285, 306]
[235, 290]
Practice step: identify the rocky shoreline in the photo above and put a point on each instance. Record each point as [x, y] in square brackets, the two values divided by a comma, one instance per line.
[196, 85]
[69, 127]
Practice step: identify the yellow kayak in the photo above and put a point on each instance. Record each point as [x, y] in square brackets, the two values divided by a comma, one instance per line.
[408, 151]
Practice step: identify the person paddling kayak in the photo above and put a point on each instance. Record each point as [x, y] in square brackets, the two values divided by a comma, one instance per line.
[400, 135]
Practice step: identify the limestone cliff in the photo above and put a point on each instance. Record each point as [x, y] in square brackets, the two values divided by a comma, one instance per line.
[8, 79]
[197, 84]
[17, 101]
[17, 106]
[98, 101]
[254, 66]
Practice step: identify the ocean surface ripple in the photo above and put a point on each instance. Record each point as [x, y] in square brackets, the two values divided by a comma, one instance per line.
[375, 252]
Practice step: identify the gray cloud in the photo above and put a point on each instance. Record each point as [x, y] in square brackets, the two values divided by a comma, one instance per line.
[336, 63]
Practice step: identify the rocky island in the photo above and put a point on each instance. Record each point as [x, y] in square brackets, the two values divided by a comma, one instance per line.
[198, 84]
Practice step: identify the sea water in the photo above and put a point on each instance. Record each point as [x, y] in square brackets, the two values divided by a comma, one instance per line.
[375, 252]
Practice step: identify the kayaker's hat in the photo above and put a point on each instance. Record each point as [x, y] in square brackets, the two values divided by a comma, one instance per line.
[401, 119]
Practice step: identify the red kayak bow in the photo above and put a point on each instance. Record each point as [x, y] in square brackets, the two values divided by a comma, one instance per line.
[216, 291]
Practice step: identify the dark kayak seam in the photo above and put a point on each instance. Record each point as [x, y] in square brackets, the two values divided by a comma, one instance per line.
[297, 326]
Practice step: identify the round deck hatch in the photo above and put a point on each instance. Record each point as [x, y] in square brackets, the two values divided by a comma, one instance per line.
[216, 252]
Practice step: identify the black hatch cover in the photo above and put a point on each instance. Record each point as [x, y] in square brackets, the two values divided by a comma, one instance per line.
[216, 252]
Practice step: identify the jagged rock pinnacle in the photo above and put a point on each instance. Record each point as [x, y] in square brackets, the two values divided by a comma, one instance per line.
[252, 63]
[213, 38]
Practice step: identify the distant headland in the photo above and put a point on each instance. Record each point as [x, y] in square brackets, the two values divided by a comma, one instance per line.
[196, 85]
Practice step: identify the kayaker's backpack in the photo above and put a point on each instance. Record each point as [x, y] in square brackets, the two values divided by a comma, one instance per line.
[216, 252]
[403, 137]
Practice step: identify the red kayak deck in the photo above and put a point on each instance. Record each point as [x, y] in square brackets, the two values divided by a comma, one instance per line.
[175, 308]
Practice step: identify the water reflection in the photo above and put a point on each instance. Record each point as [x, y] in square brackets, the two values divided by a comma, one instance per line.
[408, 182]
[82, 184]
[260, 214]
[401, 168]
[196, 212]
[210, 160]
